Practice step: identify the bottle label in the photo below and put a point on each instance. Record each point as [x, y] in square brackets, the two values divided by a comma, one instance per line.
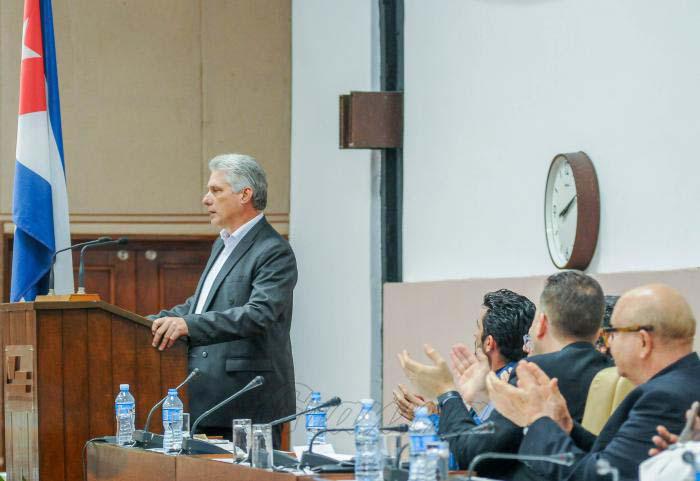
[418, 442]
[123, 408]
[316, 420]
[172, 415]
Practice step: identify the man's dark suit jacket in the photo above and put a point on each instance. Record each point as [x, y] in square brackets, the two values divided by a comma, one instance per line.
[574, 366]
[626, 437]
[243, 331]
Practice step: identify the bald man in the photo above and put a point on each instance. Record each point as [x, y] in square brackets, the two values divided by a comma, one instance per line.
[651, 339]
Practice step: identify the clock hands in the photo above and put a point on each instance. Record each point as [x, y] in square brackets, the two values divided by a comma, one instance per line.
[566, 209]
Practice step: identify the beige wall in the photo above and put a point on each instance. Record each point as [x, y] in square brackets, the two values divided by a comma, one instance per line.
[150, 90]
[445, 312]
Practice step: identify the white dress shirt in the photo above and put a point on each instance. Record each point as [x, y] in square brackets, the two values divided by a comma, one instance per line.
[230, 243]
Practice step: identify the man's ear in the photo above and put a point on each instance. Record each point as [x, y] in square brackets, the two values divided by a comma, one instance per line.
[489, 344]
[647, 344]
[543, 326]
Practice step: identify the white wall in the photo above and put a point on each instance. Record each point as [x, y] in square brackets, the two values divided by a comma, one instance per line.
[332, 199]
[496, 88]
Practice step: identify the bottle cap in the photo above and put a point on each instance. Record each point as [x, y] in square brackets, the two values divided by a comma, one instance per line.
[367, 403]
[123, 387]
[316, 396]
[172, 391]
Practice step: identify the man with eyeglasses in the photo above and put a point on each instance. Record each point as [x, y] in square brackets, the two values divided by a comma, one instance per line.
[651, 339]
[561, 336]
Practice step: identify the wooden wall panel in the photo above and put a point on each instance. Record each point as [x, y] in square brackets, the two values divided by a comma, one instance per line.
[101, 386]
[50, 396]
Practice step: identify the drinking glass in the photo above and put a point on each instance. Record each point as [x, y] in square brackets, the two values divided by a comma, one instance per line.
[261, 453]
[242, 433]
[185, 425]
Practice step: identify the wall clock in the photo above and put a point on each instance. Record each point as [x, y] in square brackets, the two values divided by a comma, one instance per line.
[571, 210]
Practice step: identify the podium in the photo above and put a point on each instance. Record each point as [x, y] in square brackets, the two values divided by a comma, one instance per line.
[63, 363]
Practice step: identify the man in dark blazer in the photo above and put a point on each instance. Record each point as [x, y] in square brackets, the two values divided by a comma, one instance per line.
[562, 335]
[651, 340]
[237, 323]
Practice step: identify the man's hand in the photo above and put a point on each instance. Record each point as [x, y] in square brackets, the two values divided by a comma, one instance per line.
[166, 330]
[536, 396]
[407, 402]
[691, 432]
[429, 381]
[470, 371]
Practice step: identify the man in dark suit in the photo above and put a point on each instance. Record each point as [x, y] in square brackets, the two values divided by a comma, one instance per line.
[237, 322]
[651, 340]
[562, 335]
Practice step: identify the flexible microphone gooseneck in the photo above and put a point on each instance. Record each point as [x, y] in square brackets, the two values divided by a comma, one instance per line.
[81, 271]
[75, 246]
[332, 402]
[485, 428]
[197, 446]
[192, 375]
[255, 383]
[311, 459]
[563, 459]
[148, 439]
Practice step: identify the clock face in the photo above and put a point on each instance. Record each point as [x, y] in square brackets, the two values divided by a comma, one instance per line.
[561, 211]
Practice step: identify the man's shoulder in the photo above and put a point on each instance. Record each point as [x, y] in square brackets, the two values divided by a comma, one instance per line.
[578, 354]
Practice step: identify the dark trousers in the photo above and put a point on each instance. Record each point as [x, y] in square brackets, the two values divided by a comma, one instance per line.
[227, 433]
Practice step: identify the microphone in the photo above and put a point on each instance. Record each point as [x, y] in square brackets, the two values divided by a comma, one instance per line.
[98, 242]
[562, 459]
[485, 428]
[332, 402]
[311, 459]
[196, 446]
[75, 246]
[148, 438]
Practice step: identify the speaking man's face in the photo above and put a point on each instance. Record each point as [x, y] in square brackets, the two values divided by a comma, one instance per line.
[225, 206]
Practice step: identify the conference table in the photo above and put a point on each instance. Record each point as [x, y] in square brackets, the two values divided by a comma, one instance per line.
[107, 462]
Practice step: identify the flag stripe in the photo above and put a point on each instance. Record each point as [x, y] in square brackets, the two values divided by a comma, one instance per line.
[40, 201]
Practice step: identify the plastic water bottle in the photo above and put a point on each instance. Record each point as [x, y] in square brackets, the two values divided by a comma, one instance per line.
[420, 433]
[172, 423]
[125, 410]
[368, 455]
[315, 420]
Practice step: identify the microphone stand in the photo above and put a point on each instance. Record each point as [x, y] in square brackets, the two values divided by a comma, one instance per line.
[564, 459]
[81, 270]
[147, 439]
[311, 459]
[197, 446]
[52, 292]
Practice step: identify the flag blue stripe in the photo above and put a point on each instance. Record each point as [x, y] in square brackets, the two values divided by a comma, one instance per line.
[53, 103]
[34, 237]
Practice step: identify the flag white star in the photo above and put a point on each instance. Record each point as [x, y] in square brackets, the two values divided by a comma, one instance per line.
[26, 51]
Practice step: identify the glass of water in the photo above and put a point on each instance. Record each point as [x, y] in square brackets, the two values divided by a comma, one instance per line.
[242, 434]
[261, 452]
[185, 425]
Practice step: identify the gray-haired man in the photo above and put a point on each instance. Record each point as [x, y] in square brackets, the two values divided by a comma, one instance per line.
[238, 320]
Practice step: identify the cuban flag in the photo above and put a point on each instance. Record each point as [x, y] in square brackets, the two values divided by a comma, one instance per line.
[40, 202]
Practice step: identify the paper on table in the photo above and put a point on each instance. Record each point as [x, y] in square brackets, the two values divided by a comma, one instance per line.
[326, 449]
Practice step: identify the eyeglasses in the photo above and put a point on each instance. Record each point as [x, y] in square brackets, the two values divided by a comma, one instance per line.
[609, 332]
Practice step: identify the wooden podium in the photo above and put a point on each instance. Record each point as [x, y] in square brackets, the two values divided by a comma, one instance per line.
[63, 363]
